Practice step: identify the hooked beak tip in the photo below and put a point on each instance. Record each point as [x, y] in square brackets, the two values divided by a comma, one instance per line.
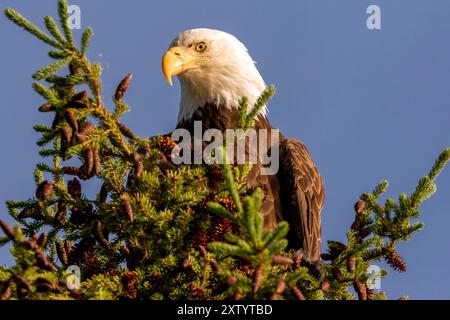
[172, 64]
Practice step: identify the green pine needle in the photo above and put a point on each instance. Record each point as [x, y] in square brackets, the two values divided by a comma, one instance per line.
[276, 234]
[38, 176]
[259, 104]
[51, 69]
[63, 8]
[242, 113]
[380, 188]
[220, 211]
[229, 180]
[440, 163]
[57, 54]
[47, 93]
[21, 21]
[277, 247]
[250, 211]
[85, 38]
[53, 28]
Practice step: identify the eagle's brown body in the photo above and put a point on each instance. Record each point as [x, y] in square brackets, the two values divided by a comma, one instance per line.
[295, 194]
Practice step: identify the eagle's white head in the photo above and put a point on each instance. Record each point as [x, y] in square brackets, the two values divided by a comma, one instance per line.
[213, 67]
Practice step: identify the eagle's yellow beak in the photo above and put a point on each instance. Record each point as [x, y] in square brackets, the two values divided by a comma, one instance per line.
[172, 63]
[178, 59]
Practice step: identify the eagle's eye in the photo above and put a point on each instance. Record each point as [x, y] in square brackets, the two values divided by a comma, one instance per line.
[200, 47]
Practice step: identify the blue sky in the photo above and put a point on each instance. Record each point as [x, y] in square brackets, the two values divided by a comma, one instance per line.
[369, 104]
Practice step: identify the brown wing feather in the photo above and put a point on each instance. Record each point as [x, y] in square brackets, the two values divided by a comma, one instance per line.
[303, 196]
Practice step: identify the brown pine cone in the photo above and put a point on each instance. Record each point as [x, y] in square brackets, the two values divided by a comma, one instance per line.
[200, 238]
[228, 204]
[361, 289]
[360, 206]
[218, 229]
[44, 190]
[165, 145]
[46, 107]
[74, 188]
[395, 261]
[123, 87]
[127, 209]
[351, 263]
[129, 281]
[282, 260]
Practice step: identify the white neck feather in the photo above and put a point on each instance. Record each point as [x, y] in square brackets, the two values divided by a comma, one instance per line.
[223, 85]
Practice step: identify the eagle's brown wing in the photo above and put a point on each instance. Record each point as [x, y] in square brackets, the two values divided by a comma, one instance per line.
[302, 193]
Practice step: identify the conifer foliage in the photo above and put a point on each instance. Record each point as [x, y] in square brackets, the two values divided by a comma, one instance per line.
[159, 231]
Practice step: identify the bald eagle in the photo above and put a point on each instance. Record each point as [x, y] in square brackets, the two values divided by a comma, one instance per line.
[215, 71]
